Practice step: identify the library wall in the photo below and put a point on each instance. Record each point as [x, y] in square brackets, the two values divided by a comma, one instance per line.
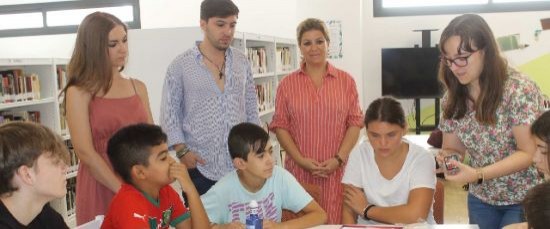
[396, 32]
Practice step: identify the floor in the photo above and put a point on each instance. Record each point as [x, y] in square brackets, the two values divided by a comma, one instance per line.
[455, 210]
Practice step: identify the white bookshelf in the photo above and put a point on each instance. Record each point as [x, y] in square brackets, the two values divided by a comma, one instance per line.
[47, 105]
[268, 79]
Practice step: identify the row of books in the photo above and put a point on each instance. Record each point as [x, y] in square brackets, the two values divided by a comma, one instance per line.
[258, 60]
[61, 77]
[284, 59]
[73, 159]
[11, 116]
[15, 86]
[70, 197]
[266, 95]
[63, 120]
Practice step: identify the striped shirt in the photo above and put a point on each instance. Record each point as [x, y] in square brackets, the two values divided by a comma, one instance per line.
[194, 111]
[317, 119]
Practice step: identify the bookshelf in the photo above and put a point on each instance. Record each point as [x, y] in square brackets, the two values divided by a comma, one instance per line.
[29, 92]
[271, 58]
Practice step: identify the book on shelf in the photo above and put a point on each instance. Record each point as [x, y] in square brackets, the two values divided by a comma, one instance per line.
[70, 197]
[258, 60]
[73, 159]
[284, 59]
[12, 116]
[265, 92]
[17, 86]
[61, 77]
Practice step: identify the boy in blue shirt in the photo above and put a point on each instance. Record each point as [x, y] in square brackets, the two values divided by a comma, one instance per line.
[139, 155]
[257, 178]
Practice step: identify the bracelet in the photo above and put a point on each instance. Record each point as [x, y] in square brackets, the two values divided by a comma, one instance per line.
[180, 153]
[339, 159]
[367, 210]
[480, 176]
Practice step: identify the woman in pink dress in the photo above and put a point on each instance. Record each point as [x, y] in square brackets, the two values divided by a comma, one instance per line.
[99, 100]
[317, 118]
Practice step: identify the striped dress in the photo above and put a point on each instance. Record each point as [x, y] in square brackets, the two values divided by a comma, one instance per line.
[317, 119]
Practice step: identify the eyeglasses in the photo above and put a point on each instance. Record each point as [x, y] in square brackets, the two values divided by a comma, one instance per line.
[459, 61]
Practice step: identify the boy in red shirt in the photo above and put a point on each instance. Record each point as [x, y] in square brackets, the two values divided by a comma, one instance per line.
[139, 155]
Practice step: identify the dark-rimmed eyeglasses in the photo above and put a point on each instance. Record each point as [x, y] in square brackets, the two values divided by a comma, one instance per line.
[461, 61]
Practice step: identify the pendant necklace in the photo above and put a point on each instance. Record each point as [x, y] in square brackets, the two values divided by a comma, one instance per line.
[220, 69]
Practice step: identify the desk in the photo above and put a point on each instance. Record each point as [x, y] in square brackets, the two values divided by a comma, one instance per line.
[422, 141]
[435, 226]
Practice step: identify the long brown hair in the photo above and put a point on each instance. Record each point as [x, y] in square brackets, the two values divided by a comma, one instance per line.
[90, 67]
[474, 31]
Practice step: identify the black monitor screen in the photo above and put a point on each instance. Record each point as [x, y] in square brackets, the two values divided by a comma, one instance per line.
[410, 72]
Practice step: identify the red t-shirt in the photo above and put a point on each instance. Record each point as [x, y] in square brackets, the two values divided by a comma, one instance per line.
[134, 209]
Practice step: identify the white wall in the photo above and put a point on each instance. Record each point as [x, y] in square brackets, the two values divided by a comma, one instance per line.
[349, 13]
[394, 32]
[269, 17]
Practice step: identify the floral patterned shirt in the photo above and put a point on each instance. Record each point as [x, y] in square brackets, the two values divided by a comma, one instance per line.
[487, 144]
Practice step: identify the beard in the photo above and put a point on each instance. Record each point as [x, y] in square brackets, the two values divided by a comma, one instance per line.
[216, 43]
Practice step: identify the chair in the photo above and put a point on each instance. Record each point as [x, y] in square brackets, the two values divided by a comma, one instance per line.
[313, 190]
[94, 224]
[439, 202]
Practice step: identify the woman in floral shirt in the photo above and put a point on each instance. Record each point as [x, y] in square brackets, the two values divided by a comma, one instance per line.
[487, 112]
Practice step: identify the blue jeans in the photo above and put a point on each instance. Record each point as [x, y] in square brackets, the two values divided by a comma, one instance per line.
[202, 184]
[489, 216]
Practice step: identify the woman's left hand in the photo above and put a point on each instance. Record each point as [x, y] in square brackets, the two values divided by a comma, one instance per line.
[355, 199]
[328, 167]
[465, 174]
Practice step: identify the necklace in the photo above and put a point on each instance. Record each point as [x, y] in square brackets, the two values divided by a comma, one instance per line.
[220, 69]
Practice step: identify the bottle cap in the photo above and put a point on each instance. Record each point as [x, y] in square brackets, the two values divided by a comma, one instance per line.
[253, 204]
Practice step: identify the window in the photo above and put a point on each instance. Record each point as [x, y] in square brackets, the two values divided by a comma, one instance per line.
[40, 17]
[385, 8]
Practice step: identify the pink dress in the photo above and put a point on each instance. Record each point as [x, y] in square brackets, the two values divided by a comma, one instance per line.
[107, 115]
[317, 119]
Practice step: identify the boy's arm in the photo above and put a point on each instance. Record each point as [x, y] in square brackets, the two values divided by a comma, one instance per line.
[314, 215]
[198, 219]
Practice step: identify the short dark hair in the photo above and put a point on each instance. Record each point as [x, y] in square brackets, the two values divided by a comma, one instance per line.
[541, 129]
[537, 206]
[245, 138]
[131, 146]
[218, 8]
[385, 109]
[21, 143]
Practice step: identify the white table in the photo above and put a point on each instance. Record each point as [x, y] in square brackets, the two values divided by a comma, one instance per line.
[436, 226]
[422, 140]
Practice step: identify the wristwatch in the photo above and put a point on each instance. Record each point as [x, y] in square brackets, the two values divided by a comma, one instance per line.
[181, 152]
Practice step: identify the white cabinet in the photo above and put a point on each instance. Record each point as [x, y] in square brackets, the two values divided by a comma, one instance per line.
[29, 92]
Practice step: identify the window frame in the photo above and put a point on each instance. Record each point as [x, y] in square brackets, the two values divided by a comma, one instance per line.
[63, 5]
[489, 7]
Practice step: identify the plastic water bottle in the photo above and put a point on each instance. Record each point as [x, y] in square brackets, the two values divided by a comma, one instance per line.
[253, 221]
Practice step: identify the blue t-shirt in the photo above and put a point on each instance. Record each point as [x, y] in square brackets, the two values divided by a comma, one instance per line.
[227, 200]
